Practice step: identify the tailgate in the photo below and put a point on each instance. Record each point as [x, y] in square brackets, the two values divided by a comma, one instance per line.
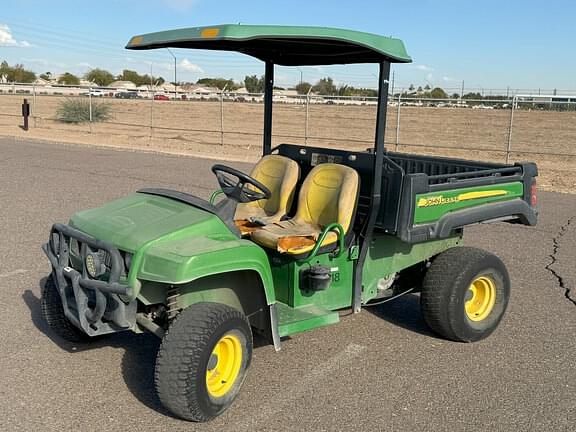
[435, 207]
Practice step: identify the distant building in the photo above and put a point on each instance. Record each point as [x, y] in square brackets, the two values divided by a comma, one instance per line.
[206, 90]
[287, 93]
[42, 82]
[128, 85]
[167, 87]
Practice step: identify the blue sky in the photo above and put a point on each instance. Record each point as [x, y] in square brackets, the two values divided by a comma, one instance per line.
[488, 44]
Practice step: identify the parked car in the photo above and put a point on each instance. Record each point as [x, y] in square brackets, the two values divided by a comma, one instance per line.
[127, 95]
[161, 97]
[96, 93]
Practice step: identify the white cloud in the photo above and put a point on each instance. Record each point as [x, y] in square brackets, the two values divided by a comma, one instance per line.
[7, 39]
[183, 65]
[423, 67]
[448, 79]
[188, 66]
[429, 78]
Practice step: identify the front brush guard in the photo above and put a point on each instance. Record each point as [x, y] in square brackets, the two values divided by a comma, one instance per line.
[93, 305]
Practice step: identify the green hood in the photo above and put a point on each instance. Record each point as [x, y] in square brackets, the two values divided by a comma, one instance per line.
[172, 242]
[131, 222]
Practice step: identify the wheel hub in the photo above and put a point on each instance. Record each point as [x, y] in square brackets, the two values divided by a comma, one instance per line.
[480, 298]
[224, 365]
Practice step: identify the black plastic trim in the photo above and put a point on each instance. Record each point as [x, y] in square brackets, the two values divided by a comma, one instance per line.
[92, 305]
[471, 182]
[365, 235]
[447, 225]
[268, 99]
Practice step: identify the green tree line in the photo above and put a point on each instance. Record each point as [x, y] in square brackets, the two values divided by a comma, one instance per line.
[253, 83]
[100, 77]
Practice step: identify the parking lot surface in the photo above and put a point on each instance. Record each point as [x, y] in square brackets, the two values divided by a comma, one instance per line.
[381, 369]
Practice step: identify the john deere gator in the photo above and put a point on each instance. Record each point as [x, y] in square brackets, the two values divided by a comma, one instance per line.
[309, 232]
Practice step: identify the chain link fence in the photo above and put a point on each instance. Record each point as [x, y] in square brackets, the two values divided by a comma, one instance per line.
[541, 128]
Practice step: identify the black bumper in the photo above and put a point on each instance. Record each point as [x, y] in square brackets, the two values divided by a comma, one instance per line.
[95, 306]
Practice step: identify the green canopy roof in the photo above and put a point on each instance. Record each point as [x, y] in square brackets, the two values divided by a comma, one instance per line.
[283, 45]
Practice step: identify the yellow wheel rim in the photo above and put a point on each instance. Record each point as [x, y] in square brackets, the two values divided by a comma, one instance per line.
[224, 365]
[480, 298]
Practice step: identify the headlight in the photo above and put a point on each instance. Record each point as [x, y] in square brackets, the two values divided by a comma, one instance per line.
[93, 266]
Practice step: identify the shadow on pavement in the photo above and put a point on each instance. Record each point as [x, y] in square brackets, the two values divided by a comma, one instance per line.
[139, 358]
[139, 352]
[33, 304]
[138, 366]
[403, 312]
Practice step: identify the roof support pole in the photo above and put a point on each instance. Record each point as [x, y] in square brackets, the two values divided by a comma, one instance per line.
[368, 228]
[268, 93]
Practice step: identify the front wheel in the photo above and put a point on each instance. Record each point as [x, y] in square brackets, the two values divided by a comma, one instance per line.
[53, 314]
[465, 294]
[203, 361]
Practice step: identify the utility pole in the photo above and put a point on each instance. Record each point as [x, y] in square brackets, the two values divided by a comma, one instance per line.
[462, 91]
[175, 81]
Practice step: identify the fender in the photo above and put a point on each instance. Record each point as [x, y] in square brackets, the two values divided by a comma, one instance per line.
[200, 269]
[182, 261]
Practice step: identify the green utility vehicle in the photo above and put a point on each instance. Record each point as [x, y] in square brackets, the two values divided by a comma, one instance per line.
[309, 232]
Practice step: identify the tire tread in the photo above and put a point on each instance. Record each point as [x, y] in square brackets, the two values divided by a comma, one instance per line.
[180, 352]
[53, 314]
[447, 271]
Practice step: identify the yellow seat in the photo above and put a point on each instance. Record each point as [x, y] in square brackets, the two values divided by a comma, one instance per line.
[280, 175]
[328, 195]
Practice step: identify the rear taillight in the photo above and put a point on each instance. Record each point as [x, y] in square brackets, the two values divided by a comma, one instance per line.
[533, 194]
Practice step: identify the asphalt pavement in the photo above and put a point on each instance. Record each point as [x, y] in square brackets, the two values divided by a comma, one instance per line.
[378, 370]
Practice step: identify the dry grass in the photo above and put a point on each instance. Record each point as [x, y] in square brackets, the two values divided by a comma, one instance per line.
[193, 128]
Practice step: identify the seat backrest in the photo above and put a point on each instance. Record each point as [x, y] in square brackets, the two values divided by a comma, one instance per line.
[280, 175]
[329, 194]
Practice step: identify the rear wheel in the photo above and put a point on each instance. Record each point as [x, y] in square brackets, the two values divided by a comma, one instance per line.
[465, 294]
[203, 361]
[53, 313]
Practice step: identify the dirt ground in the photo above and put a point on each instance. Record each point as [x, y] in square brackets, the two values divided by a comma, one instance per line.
[194, 127]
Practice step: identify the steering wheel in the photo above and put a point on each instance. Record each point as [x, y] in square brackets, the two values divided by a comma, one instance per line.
[234, 182]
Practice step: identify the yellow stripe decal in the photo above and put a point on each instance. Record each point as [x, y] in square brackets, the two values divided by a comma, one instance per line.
[482, 194]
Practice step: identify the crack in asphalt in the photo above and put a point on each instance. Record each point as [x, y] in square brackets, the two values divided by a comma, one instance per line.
[554, 259]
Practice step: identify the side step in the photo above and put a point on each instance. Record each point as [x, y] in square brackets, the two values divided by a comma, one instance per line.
[292, 321]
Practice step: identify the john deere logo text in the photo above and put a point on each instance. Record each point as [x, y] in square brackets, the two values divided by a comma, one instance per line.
[441, 200]
[436, 200]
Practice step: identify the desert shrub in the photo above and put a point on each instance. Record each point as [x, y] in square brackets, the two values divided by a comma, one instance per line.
[78, 111]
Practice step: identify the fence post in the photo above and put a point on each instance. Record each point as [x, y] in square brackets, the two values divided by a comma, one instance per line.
[307, 116]
[34, 103]
[398, 121]
[152, 114]
[509, 147]
[90, 108]
[222, 115]
[25, 113]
